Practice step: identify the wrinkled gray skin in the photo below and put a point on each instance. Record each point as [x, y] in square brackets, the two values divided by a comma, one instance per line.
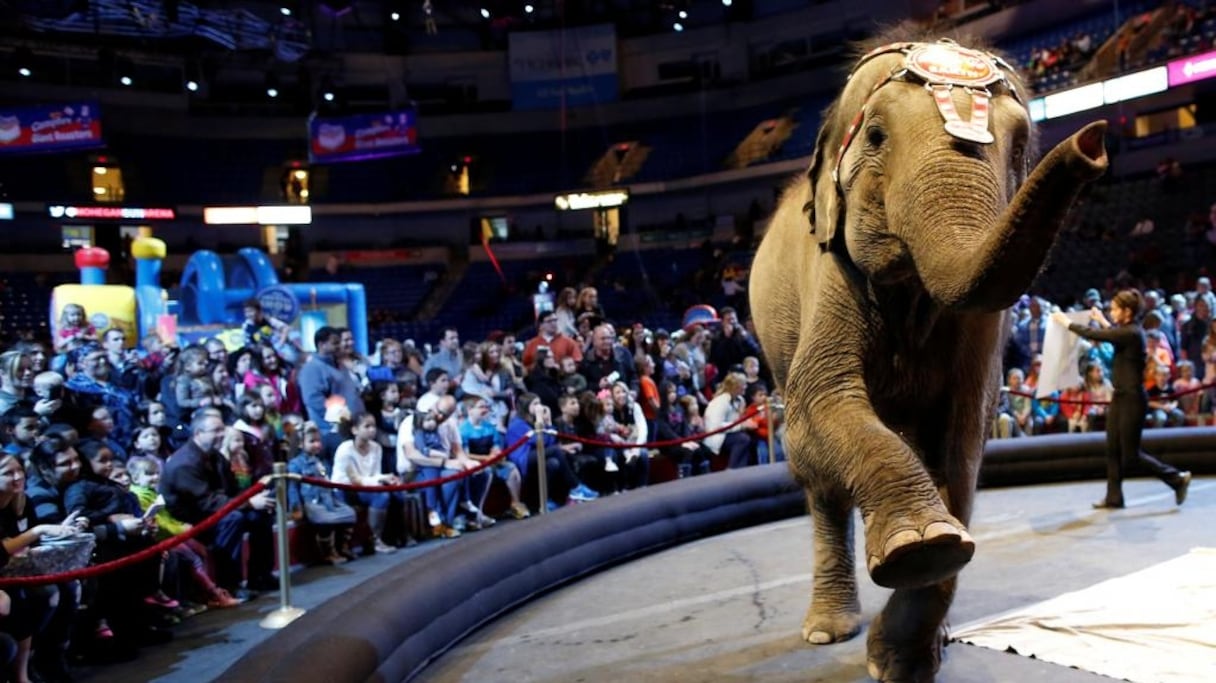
[882, 320]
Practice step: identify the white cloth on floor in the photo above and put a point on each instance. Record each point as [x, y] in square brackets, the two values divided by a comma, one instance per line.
[1157, 625]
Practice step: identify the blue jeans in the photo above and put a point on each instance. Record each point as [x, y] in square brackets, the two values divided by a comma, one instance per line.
[444, 498]
[226, 547]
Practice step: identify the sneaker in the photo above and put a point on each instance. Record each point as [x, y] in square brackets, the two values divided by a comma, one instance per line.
[1184, 482]
[610, 466]
[470, 508]
[520, 511]
[445, 531]
[581, 492]
[383, 548]
[222, 599]
[159, 599]
[432, 518]
[551, 505]
[459, 524]
[485, 521]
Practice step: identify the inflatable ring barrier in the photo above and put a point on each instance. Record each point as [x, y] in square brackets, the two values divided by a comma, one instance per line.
[391, 626]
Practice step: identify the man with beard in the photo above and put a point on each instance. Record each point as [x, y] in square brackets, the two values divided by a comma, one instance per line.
[91, 387]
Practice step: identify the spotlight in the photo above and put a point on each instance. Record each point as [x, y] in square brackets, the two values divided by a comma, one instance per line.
[285, 11]
[726, 3]
[395, 16]
[485, 13]
[23, 57]
[328, 96]
[272, 92]
[683, 14]
[528, 9]
[272, 85]
[677, 27]
[192, 86]
[125, 80]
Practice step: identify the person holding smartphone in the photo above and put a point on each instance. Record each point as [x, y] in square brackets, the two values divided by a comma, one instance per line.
[1129, 402]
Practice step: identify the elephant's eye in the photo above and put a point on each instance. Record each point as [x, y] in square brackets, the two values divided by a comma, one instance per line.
[875, 137]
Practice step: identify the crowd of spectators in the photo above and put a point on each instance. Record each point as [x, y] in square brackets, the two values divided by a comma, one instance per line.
[133, 443]
[1180, 341]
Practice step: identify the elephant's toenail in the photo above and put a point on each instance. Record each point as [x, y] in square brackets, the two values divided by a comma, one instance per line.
[900, 540]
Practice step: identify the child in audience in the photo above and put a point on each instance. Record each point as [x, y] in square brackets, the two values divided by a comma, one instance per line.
[388, 412]
[274, 419]
[145, 479]
[359, 460]
[232, 447]
[74, 329]
[259, 439]
[147, 444]
[482, 441]
[101, 427]
[194, 388]
[319, 505]
[21, 428]
[1186, 389]
[757, 406]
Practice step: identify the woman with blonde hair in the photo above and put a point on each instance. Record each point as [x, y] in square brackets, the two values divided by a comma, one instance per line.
[589, 302]
[16, 378]
[567, 316]
[739, 443]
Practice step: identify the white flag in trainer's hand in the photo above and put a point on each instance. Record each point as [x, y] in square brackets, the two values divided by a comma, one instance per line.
[1061, 357]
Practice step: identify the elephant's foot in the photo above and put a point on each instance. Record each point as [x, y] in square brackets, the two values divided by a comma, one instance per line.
[823, 627]
[910, 552]
[914, 661]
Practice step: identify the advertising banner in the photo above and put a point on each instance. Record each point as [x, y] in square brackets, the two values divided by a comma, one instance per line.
[578, 63]
[54, 128]
[1193, 68]
[362, 136]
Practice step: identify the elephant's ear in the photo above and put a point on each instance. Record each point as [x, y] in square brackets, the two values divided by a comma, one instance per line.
[824, 208]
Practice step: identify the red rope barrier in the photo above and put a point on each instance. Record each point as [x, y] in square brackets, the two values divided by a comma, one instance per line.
[1101, 402]
[146, 553]
[413, 485]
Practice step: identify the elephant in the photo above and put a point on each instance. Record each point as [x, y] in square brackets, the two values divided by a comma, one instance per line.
[880, 293]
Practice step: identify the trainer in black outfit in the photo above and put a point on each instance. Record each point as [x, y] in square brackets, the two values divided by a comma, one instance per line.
[1129, 404]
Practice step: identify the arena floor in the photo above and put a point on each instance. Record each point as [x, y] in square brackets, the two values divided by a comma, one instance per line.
[729, 608]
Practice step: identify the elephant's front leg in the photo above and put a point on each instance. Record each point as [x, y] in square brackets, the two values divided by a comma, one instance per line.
[906, 639]
[835, 612]
[912, 540]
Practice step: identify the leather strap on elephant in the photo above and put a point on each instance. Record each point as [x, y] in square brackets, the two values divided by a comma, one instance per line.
[940, 67]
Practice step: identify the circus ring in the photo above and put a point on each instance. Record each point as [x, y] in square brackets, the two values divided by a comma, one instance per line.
[392, 626]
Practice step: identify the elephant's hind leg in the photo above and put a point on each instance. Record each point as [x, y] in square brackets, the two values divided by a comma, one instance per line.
[835, 612]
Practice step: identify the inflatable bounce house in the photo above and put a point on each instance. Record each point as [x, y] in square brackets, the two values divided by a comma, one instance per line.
[211, 301]
[137, 311]
[214, 289]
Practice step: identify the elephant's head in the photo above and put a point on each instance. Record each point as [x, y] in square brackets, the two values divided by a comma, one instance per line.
[917, 170]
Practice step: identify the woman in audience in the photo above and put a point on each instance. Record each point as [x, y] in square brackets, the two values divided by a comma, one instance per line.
[634, 461]
[738, 444]
[589, 302]
[567, 317]
[1186, 388]
[54, 468]
[560, 478]
[486, 377]
[270, 369]
[674, 422]
[16, 378]
[29, 608]
[225, 393]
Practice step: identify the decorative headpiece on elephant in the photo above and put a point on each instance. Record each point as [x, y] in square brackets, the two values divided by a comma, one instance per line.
[884, 324]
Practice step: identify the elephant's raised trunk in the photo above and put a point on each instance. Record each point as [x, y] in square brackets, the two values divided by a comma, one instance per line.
[993, 275]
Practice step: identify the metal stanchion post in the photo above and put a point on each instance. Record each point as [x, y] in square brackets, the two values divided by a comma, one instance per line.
[772, 429]
[285, 614]
[542, 467]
